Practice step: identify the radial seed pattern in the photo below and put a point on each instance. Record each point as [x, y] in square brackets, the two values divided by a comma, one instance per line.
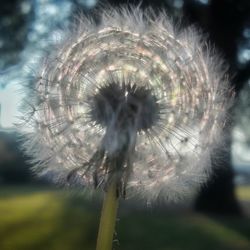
[172, 157]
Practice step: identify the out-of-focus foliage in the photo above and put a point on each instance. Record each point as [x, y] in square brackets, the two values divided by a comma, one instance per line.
[13, 30]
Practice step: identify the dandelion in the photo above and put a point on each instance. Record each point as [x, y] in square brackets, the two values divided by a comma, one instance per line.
[132, 106]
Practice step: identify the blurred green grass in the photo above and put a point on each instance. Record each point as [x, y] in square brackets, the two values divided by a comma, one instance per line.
[243, 193]
[39, 219]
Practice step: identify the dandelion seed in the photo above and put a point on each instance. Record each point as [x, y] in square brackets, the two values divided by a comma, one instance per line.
[132, 101]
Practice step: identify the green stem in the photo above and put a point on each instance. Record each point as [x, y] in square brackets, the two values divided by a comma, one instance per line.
[108, 219]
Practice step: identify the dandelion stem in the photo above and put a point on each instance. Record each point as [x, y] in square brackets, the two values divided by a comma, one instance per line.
[108, 219]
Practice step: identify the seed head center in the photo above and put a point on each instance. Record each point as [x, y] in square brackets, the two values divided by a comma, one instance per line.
[125, 105]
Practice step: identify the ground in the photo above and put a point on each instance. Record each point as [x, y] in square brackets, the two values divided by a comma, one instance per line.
[44, 218]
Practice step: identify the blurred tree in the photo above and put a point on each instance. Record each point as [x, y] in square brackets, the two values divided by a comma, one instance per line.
[224, 21]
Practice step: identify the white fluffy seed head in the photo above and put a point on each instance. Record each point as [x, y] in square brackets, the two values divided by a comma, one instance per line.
[168, 157]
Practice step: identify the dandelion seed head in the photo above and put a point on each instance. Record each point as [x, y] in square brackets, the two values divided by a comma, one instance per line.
[130, 99]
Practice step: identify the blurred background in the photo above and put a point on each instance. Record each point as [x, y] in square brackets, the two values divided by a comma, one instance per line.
[37, 215]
